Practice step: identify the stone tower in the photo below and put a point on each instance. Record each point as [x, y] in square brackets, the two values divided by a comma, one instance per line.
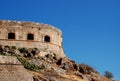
[31, 35]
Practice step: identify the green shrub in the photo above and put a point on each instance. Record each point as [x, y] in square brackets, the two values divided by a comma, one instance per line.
[14, 47]
[36, 48]
[45, 49]
[22, 50]
[86, 69]
[28, 65]
[108, 74]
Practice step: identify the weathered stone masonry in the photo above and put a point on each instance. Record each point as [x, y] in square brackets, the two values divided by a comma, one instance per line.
[31, 35]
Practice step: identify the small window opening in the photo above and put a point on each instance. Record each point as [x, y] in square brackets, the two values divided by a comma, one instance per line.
[39, 29]
[11, 35]
[30, 37]
[47, 39]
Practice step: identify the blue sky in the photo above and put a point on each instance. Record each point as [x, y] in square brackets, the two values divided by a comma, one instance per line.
[91, 28]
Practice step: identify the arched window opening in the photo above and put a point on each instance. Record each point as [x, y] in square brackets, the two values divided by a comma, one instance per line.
[47, 39]
[11, 35]
[30, 37]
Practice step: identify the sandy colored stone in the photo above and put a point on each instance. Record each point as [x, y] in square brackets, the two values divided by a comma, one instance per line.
[8, 60]
[39, 31]
[14, 73]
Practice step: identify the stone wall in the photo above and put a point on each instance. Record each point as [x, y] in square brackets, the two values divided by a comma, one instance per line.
[12, 70]
[38, 31]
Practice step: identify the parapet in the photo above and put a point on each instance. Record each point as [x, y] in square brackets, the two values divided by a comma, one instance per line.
[19, 24]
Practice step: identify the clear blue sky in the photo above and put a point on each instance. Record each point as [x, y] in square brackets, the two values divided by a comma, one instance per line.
[91, 28]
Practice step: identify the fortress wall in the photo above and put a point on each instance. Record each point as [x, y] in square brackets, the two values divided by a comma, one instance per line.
[22, 29]
[39, 32]
[34, 44]
[21, 34]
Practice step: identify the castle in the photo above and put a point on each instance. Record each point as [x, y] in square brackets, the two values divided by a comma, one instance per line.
[31, 35]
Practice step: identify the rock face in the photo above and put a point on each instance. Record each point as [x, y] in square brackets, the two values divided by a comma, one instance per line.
[26, 65]
[12, 70]
[14, 73]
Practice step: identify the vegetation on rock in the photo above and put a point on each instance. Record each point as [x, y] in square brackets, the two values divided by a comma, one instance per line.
[28, 65]
[51, 67]
[108, 74]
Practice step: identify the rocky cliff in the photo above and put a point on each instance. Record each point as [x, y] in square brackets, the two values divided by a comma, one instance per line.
[25, 64]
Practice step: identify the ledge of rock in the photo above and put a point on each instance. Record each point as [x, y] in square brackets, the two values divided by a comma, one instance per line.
[9, 60]
[12, 70]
